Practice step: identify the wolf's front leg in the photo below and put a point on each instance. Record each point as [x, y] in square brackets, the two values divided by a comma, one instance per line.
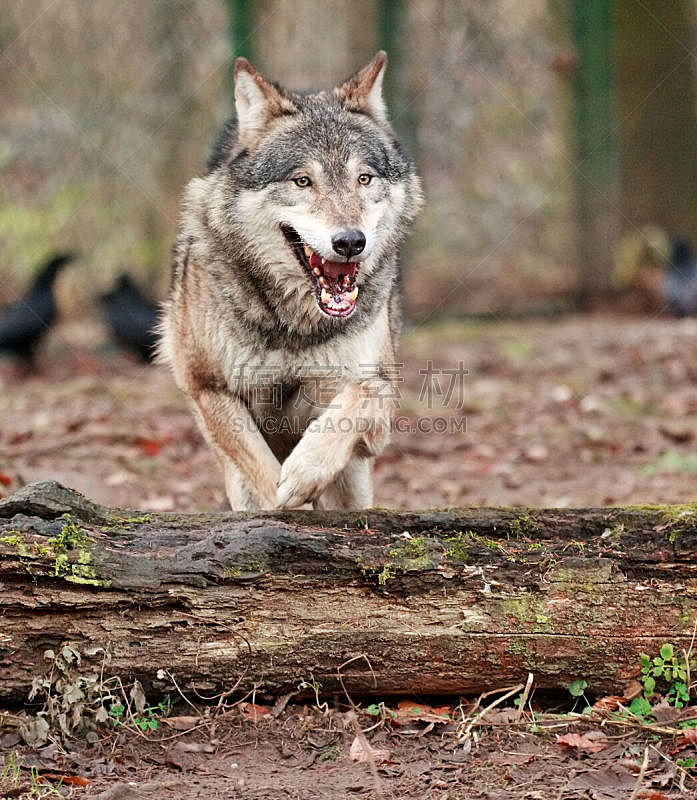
[357, 424]
[352, 488]
[251, 469]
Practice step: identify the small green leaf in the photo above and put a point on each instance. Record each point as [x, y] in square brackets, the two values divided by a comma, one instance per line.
[576, 688]
[666, 652]
[641, 708]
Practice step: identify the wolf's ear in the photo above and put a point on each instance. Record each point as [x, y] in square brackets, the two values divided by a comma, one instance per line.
[256, 101]
[363, 90]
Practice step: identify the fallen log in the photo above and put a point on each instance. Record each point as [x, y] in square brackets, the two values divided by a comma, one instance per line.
[374, 603]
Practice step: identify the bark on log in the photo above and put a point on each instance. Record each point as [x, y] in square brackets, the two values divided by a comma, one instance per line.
[435, 602]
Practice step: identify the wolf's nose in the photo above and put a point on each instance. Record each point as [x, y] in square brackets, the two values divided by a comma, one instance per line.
[348, 243]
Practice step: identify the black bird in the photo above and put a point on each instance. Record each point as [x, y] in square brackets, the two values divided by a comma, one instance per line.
[131, 316]
[680, 279]
[24, 323]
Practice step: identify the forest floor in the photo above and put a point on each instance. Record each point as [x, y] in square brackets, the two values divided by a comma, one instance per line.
[581, 411]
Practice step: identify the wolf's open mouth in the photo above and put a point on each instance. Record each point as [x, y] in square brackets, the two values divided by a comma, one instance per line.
[334, 282]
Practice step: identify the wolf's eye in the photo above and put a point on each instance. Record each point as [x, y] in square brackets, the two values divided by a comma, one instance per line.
[364, 179]
[303, 181]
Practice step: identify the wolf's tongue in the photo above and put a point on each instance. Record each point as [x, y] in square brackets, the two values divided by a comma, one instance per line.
[332, 269]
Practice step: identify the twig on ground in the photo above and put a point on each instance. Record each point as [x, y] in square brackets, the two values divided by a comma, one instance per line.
[368, 750]
[524, 698]
[476, 719]
[363, 657]
[640, 776]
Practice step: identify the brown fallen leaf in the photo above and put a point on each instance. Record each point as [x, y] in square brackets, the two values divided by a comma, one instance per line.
[580, 742]
[193, 747]
[119, 791]
[509, 759]
[608, 703]
[409, 711]
[133, 791]
[254, 711]
[182, 723]
[632, 689]
[178, 754]
[666, 714]
[363, 752]
[64, 780]
[689, 736]
[281, 703]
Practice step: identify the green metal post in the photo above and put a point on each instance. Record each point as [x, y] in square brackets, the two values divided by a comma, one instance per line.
[596, 143]
[240, 29]
[391, 35]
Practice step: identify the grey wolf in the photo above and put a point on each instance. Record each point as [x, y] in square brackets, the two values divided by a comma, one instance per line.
[281, 321]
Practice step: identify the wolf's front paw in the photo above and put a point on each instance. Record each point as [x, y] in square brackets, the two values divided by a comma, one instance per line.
[308, 470]
[299, 486]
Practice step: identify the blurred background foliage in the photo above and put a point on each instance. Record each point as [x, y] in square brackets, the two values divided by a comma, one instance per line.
[545, 131]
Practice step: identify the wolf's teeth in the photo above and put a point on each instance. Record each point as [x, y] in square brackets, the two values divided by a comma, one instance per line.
[308, 250]
[353, 295]
[325, 297]
[317, 271]
[322, 280]
[324, 261]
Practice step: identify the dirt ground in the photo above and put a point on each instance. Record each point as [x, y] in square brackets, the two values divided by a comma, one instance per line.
[575, 412]
[580, 411]
[312, 753]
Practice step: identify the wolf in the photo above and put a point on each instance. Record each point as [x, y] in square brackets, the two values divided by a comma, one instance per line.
[283, 311]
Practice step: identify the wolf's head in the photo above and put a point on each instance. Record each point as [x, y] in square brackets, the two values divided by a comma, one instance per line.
[317, 189]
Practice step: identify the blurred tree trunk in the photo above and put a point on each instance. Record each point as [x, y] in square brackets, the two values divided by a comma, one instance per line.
[596, 146]
[658, 123]
[307, 43]
[173, 158]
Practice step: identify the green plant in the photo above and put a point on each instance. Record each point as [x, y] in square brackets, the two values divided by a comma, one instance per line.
[316, 687]
[577, 689]
[380, 712]
[73, 697]
[641, 709]
[11, 769]
[78, 700]
[38, 787]
[145, 720]
[669, 669]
